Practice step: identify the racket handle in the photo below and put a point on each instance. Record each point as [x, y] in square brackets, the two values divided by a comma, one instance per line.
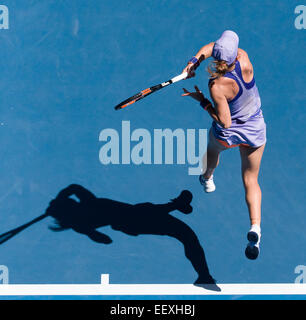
[179, 77]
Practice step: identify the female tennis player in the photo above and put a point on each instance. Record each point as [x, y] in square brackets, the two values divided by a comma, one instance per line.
[237, 121]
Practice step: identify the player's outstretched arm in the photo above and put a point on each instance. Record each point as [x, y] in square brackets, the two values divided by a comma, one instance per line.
[204, 53]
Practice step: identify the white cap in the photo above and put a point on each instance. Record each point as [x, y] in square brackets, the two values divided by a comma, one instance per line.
[226, 48]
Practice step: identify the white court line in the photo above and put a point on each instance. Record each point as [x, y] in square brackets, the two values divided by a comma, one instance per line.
[106, 289]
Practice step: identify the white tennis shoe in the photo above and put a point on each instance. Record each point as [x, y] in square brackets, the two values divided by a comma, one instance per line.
[252, 250]
[208, 184]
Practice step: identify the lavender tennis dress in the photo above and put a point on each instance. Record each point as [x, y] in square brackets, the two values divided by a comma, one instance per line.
[248, 125]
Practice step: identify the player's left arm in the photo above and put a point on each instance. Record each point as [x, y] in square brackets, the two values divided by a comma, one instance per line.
[221, 108]
[220, 112]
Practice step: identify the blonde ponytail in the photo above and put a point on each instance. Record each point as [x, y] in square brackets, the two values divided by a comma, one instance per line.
[218, 68]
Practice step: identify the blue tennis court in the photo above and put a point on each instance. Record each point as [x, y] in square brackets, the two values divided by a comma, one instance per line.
[66, 64]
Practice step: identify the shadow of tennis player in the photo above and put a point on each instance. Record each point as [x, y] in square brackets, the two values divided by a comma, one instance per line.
[89, 213]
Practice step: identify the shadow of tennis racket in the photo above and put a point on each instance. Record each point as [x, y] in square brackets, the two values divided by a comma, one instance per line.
[8, 235]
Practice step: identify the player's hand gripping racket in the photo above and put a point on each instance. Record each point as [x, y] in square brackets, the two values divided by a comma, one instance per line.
[146, 92]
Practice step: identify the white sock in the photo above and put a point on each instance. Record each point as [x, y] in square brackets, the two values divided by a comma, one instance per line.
[256, 228]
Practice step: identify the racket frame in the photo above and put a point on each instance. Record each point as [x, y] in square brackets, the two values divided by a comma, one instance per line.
[144, 93]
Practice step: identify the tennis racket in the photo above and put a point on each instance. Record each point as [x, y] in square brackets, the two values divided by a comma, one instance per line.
[146, 92]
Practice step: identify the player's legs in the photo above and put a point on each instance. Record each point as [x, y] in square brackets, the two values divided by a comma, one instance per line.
[250, 165]
[210, 162]
[212, 155]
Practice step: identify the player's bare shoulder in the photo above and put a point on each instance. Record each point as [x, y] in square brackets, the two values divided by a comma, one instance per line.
[242, 53]
[221, 86]
[243, 57]
[245, 62]
[219, 83]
